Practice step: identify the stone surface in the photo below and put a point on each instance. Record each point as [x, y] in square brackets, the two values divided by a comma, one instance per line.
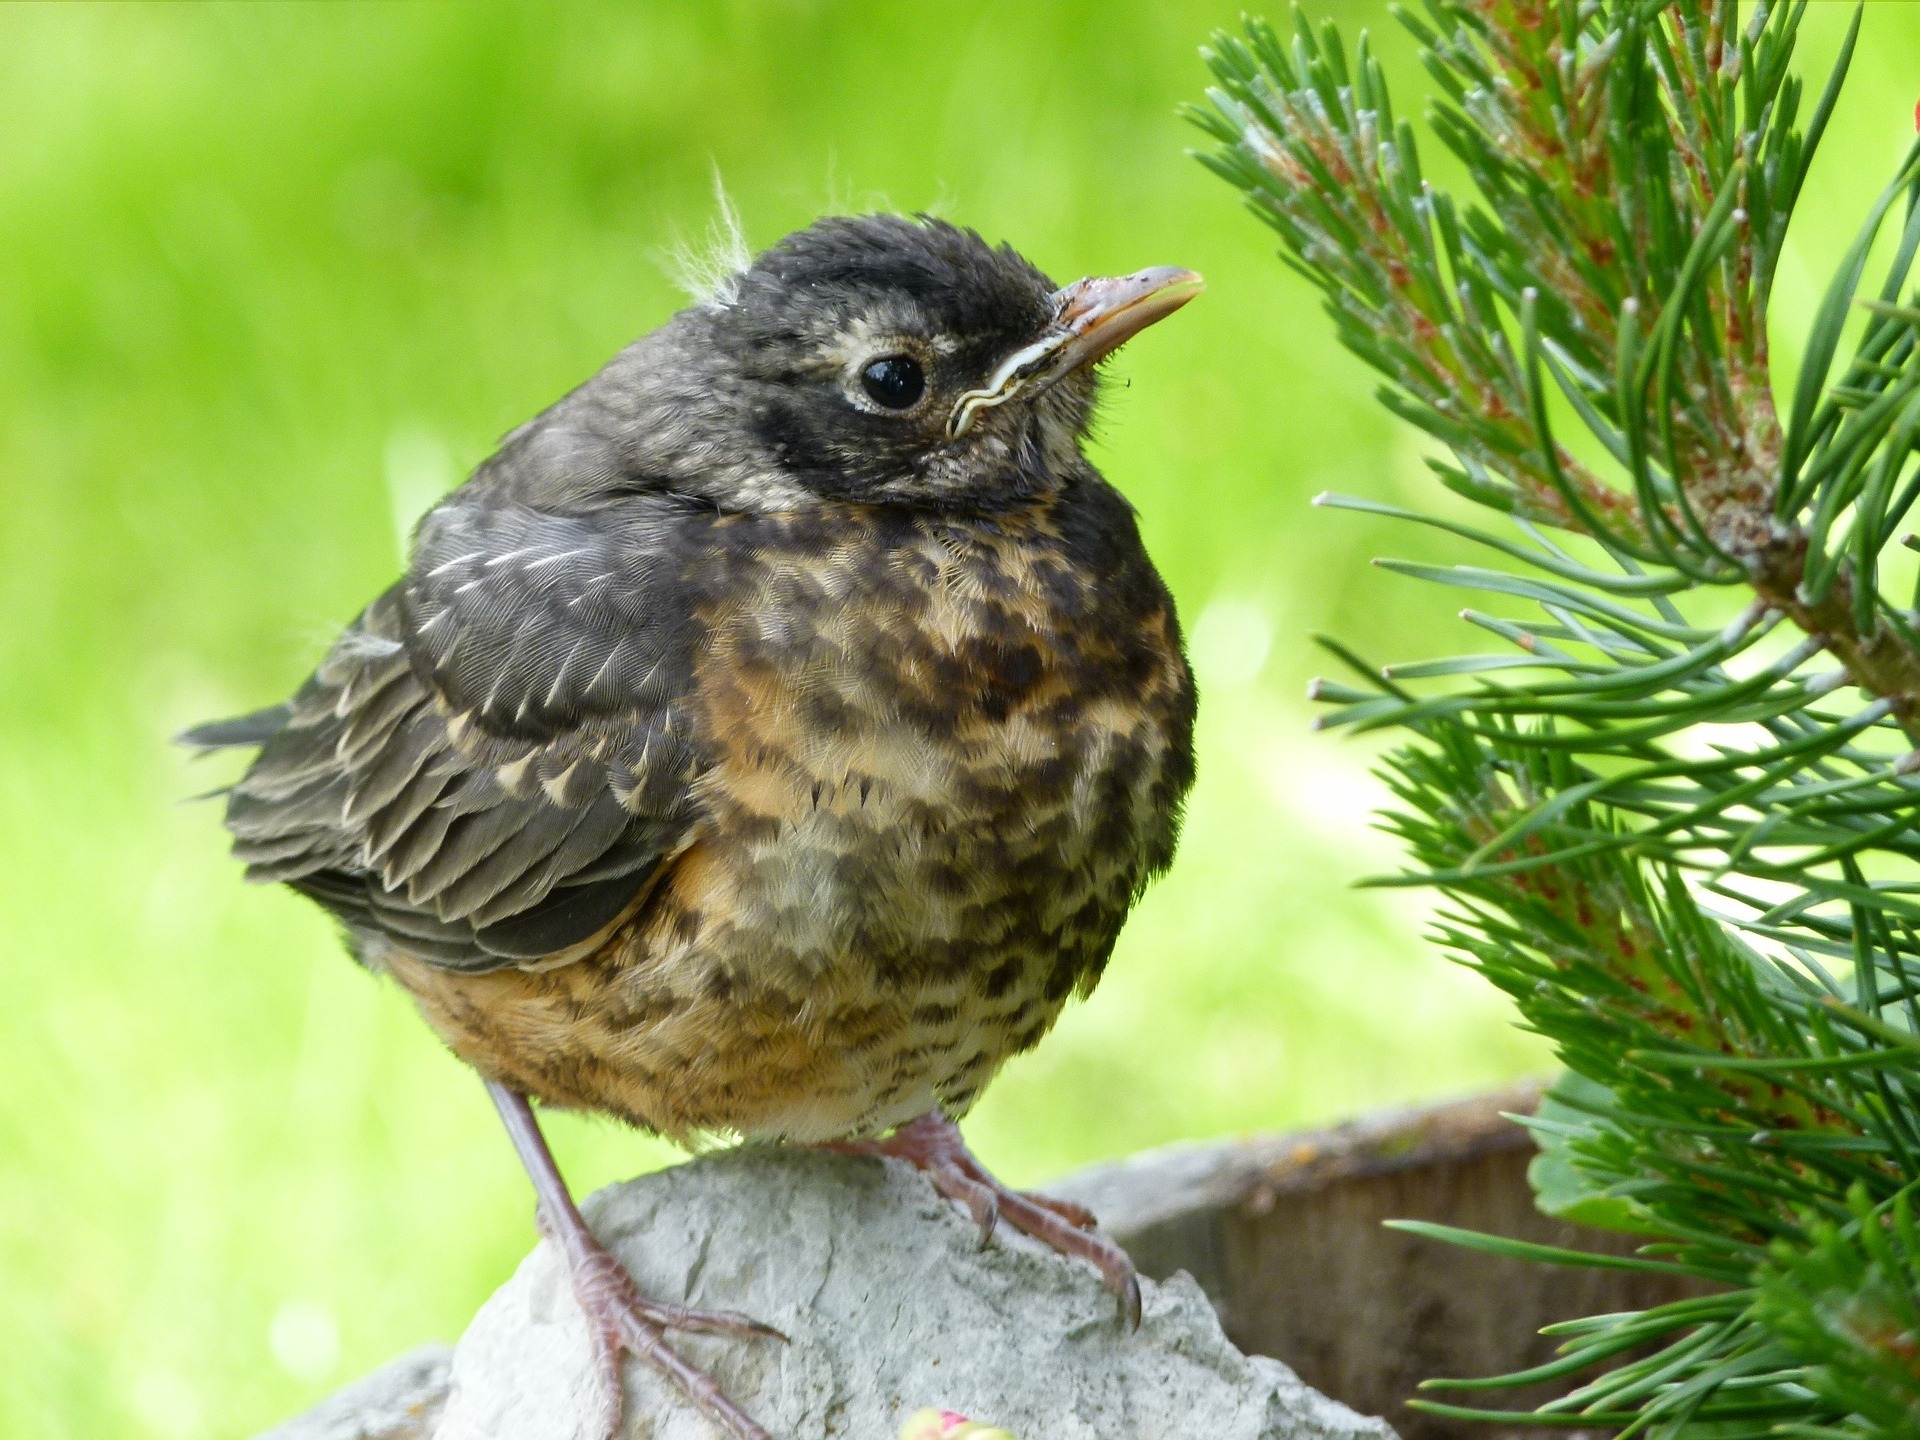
[891, 1305]
[400, 1401]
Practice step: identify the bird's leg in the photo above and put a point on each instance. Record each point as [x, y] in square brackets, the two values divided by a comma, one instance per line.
[620, 1319]
[933, 1144]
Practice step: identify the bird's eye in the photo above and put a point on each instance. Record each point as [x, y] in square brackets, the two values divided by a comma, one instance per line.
[895, 381]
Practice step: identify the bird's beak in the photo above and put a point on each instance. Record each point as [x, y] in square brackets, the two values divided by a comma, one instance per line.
[1092, 318]
[1101, 315]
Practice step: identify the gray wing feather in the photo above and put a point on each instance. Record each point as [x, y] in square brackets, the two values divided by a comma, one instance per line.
[494, 759]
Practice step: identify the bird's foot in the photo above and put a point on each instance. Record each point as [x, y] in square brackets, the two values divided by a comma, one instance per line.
[622, 1321]
[933, 1144]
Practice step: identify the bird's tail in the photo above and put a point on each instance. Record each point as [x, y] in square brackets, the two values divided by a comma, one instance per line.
[242, 731]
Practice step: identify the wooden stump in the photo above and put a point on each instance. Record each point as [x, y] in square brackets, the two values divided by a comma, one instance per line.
[1285, 1234]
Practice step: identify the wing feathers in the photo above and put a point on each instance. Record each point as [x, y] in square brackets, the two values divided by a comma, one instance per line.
[392, 771]
[491, 763]
[567, 917]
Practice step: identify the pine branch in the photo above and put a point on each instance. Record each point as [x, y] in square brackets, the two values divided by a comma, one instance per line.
[1598, 136]
[1664, 838]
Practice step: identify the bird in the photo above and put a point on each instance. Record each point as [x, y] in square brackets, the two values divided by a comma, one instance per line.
[767, 740]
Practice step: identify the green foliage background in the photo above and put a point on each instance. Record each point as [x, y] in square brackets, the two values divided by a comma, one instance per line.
[273, 275]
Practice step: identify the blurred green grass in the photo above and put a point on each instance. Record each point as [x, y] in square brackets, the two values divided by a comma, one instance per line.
[272, 275]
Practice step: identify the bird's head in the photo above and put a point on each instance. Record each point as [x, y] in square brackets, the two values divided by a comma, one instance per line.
[894, 361]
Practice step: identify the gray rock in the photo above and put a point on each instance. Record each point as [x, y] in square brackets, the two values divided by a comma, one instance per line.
[399, 1401]
[891, 1305]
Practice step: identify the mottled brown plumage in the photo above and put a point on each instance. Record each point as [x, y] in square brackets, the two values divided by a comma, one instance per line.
[926, 806]
[773, 735]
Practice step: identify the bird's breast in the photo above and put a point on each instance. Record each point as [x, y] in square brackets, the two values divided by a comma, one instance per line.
[927, 737]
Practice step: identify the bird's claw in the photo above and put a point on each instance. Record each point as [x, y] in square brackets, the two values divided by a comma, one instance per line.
[933, 1144]
[622, 1321]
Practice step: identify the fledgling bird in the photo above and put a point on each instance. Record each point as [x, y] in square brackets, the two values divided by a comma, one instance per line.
[768, 739]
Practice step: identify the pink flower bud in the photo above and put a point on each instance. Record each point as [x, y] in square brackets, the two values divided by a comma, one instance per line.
[947, 1425]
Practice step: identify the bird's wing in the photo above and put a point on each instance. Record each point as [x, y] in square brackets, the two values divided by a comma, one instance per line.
[494, 760]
